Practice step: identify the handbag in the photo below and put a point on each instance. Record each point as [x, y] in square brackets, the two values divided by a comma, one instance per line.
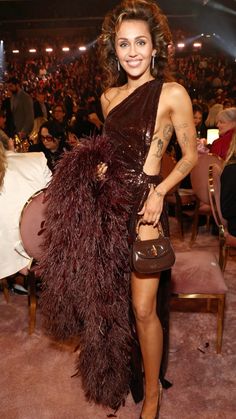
[152, 256]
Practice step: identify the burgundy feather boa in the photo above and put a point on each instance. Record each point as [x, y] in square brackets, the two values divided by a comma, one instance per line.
[85, 270]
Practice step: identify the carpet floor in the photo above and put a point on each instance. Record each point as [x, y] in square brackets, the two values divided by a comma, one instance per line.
[36, 382]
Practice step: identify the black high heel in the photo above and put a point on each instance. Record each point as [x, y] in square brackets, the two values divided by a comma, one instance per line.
[159, 402]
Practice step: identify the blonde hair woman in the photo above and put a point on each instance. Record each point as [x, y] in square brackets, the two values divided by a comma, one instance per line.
[226, 122]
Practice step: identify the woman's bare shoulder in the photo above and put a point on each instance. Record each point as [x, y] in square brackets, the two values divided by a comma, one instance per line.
[174, 88]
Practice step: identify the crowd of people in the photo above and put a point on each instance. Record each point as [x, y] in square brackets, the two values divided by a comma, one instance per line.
[68, 91]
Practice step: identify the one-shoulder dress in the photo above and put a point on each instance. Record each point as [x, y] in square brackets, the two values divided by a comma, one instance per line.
[85, 263]
[130, 127]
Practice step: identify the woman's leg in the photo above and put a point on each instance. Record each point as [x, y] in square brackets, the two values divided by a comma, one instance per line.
[144, 291]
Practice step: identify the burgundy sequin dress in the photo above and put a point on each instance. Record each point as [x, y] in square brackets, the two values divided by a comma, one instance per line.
[85, 263]
[130, 126]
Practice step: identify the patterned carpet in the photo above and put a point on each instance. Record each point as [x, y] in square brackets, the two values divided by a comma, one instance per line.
[36, 372]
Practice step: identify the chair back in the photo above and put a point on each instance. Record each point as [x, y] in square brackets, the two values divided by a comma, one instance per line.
[32, 223]
[199, 175]
[168, 163]
[214, 194]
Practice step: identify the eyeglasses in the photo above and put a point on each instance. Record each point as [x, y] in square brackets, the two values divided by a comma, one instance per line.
[48, 138]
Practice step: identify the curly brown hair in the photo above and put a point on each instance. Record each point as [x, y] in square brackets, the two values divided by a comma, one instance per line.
[145, 10]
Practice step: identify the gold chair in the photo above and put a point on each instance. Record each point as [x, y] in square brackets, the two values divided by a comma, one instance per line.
[31, 224]
[197, 275]
[199, 181]
[226, 240]
[4, 286]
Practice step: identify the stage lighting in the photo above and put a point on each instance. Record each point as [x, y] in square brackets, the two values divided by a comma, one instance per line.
[197, 45]
[181, 45]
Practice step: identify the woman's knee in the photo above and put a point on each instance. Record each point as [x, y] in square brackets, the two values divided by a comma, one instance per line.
[144, 312]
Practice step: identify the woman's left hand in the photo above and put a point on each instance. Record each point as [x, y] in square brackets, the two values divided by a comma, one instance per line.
[152, 208]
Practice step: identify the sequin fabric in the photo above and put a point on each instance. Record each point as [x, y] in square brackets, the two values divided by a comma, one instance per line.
[130, 126]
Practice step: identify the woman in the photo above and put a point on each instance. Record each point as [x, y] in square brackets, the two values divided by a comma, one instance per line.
[198, 121]
[228, 187]
[135, 40]
[141, 109]
[226, 123]
[51, 141]
[211, 120]
[72, 138]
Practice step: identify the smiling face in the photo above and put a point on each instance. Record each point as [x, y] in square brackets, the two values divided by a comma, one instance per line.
[134, 48]
[225, 125]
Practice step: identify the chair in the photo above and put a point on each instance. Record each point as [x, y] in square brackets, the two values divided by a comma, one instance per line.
[5, 281]
[177, 197]
[31, 232]
[197, 275]
[226, 240]
[31, 223]
[4, 286]
[199, 181]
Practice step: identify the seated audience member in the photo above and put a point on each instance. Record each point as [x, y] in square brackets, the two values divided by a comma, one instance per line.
[51, 141]
[41, 107]
[226, 123]
[21, 175]
[72, 138]
[6, 108]
[3, 136]
[228, 187]
[198, 121]
[59, 115]
[83, 124]
[211, 121]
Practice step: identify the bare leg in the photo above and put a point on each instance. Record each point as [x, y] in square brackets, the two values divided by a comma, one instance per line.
[150, 335]
[150, 338]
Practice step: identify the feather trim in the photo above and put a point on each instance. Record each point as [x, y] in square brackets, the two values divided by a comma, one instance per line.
[85, 271]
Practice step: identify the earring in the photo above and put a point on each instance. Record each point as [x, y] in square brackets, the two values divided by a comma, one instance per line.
[118, 65]
[153, 61]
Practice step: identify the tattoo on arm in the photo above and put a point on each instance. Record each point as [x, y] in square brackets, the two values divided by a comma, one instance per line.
[183, 167]
[181, 126]
[159, 148]
[184, 140]
[167, 132]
